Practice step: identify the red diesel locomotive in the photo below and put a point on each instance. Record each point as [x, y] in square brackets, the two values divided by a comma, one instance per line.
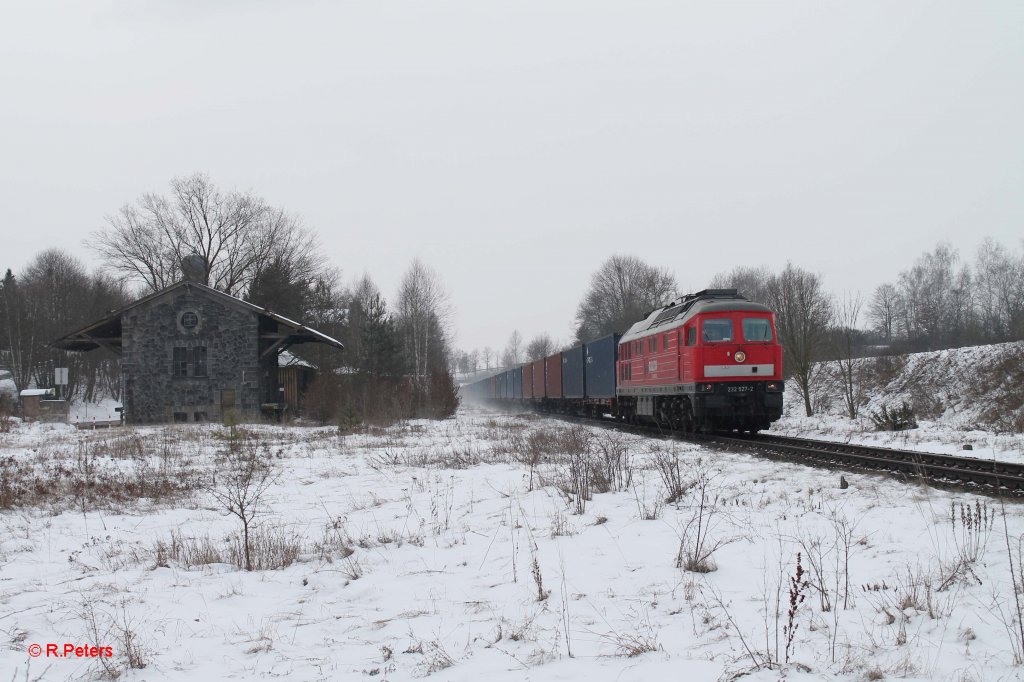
[708, 360]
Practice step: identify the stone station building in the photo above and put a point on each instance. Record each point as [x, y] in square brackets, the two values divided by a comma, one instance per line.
[189, 353]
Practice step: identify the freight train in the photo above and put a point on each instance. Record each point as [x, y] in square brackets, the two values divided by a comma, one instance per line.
[708, 361]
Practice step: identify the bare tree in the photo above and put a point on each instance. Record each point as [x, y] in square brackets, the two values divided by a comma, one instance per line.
[424, 316]
[237, 235]
[424, 312]
[936, 297]
[539, 348]
[752, 282]
[999, 288]
[846, 339]
[486, 356]
[804, 313]
[460, 362]
[513, 349]
[884, 311]
[243, 483]
[620, 293]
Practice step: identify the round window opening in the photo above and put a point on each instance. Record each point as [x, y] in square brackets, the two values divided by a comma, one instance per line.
[189, 320]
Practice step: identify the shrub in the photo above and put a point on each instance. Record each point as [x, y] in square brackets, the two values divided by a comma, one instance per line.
[897, 419]
[92, 480]
[269, 549]
[444, 395]
[248, 473]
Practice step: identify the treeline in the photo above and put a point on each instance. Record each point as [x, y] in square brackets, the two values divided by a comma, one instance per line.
[54, 294]
[945, 302]
[940, 302]
[396, 361]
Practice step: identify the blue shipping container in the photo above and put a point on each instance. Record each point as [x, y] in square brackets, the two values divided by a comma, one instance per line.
[573, 385]
[600, 363]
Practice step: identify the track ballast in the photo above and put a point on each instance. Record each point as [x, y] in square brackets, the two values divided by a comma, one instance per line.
[978, 475]
[985, 476]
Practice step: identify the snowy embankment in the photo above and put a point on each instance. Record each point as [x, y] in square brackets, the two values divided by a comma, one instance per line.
[431, 550]
[962, 398]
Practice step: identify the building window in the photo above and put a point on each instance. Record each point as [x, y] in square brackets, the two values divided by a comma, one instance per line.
[189, 320]
[181, 417]
[179, 365]
[199, 361]
[189, 362]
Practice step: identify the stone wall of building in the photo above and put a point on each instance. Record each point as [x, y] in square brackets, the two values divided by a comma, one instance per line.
[188, 318]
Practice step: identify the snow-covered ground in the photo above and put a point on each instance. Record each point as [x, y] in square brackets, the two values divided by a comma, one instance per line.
[100, 411]
[429, 550]
[967, 401]
[930, 436]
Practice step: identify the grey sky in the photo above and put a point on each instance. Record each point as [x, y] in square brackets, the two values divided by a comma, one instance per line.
[515, 146]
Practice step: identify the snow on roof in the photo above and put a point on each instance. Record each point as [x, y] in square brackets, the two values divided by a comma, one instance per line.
[36, 391]
[288, 359]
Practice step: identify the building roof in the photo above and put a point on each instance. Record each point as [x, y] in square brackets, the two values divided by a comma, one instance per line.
[29, 392]
[106, 332]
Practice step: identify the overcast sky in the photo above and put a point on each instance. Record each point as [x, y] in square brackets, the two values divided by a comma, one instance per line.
[513, 146]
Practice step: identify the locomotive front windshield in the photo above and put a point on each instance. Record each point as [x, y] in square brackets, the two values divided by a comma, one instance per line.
[717, 330]
[757, 329]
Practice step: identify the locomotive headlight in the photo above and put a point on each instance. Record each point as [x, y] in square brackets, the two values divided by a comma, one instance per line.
[773, 387]
[740, 356]
[705, 388]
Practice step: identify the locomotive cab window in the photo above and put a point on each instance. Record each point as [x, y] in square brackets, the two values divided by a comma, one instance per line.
[691, 336]
[757, 329]
[717, 331]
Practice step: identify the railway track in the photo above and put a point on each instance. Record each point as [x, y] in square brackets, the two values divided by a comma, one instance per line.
[978, 475]
[983, 476]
